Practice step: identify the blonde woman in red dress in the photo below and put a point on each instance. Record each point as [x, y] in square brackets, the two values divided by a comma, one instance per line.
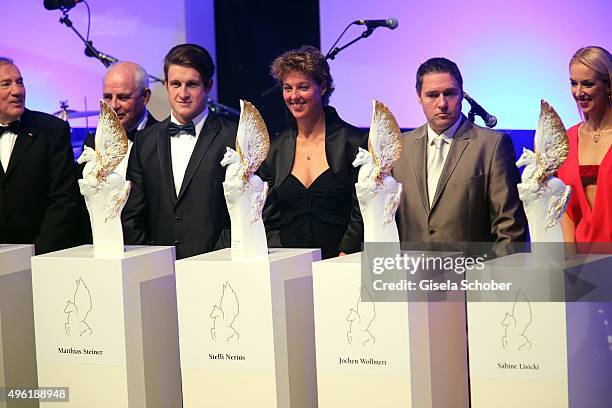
[588, 168]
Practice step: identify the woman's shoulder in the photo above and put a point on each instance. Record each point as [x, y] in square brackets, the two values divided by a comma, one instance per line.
[280, 137]
[572, 135]
[573, 131]
[353, 134]
[569, 166]
[278, 146]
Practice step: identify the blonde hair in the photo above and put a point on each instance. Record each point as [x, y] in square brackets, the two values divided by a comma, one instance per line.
[599, 60]
[596, 58]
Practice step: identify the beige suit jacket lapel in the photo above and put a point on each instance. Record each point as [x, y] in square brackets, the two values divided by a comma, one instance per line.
[460, 141]
[419, 159]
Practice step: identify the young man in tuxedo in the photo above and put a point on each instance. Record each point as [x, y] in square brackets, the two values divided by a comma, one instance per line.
[38, 191]
[174, 166]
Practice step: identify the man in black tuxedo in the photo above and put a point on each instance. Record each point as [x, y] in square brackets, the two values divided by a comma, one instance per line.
[174, 166]
[126, 90]
[38, 190]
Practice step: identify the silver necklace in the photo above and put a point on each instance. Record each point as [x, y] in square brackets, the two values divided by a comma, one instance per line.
[308, 155]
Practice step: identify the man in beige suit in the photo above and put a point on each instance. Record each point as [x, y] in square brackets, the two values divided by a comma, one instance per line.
[459, 179]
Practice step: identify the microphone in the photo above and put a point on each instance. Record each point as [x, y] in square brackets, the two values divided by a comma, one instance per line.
[90, 51]
[390, 23]
[489, 120]
[61, 4]
[222, 110]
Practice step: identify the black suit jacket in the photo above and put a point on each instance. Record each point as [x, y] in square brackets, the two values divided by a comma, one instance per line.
[85, 222]
[194, 220]
[39, 194]
[342, 142]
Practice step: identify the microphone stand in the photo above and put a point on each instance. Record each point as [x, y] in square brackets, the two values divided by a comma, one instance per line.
[475, 109]
[332, 54]
[222, 110]
[90, 50]
[471, 115]
[472, 112]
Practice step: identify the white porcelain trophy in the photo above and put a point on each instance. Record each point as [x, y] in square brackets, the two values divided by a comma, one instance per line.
[544, 196]
[105, 191]
[245, 193]
[377, 191]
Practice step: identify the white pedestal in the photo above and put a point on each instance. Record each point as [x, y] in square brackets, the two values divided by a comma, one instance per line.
[384, 354]
[246, 330]
[519, 351]
[17, 347]
[120, 348]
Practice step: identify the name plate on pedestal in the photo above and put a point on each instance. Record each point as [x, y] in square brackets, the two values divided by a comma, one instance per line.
[107, 328]
[520, 340]
[246, 330]
[17, 347]
[384, 354]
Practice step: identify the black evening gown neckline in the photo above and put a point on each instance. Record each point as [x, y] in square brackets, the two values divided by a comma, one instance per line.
[315, 216]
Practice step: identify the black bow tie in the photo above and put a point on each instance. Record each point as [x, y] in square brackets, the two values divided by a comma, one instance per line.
[12, 127]
[174, 129]
[131, 134]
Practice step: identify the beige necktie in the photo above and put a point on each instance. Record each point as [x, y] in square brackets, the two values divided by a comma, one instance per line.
[435, 163]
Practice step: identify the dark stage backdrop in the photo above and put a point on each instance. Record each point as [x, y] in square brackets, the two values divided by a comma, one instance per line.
[250, 34]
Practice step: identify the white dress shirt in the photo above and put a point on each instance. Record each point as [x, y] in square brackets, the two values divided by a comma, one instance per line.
[7, 142]
[447, 137]
[181, 148]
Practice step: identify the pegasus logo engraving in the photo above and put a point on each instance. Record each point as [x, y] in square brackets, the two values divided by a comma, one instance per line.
[360, 319]
[224, 316]
[516, 324]
[77, 310]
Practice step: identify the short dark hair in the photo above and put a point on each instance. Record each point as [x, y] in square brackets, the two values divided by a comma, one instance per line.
[192, 56]
[438, 65]
[306, 60]
[6, 61]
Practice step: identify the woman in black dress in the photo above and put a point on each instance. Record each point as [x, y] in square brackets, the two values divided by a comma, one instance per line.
[311, 202]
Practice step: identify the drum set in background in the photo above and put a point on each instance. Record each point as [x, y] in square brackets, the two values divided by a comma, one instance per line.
[65, 114]
[78, 134]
